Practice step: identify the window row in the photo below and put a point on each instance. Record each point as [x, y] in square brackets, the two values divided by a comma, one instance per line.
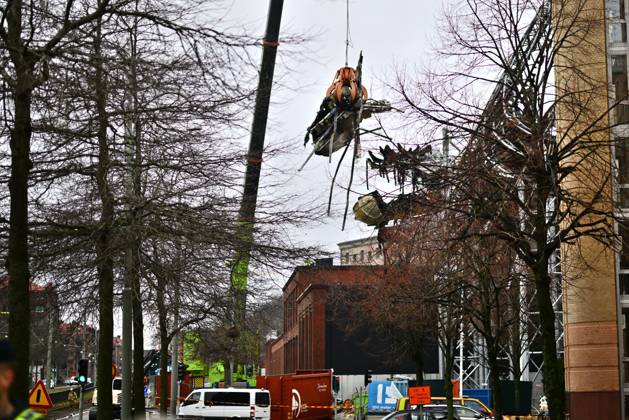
[359, 257]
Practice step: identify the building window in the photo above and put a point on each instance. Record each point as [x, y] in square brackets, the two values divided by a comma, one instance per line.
[616, 9]
[625, 343]
[625, 334]
[624, 255]
[347, 258]
[617, 28]
[617, 32]
[369, 256]
[624, 283]
[622, 157]
[619, 80]
[355, 257]
[362, 256]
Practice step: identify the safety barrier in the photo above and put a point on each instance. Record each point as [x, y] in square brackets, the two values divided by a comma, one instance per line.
[69, 398]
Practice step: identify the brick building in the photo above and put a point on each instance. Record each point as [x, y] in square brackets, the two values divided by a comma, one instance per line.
[314, 339]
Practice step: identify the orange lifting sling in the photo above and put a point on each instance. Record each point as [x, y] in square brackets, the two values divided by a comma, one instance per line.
[345, 77]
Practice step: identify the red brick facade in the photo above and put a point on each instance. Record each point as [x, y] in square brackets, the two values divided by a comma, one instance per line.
[302, 345]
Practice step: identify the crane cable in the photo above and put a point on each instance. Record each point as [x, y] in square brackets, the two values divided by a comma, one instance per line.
[347, 35]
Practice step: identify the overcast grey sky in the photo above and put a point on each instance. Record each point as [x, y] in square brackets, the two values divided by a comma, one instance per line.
[389, 32]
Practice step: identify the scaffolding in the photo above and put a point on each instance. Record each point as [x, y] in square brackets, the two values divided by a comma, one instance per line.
[471, 369]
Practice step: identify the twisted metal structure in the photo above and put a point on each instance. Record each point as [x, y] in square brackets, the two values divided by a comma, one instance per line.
[501, 139]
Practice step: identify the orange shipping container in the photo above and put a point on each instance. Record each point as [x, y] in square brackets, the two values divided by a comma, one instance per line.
[301, 395]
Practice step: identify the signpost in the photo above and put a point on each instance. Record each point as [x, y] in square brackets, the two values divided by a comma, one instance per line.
[38, 398]
[456, 388]
[383, 395]
[419, 395]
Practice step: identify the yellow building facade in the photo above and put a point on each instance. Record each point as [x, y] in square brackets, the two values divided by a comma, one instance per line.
[596, 275]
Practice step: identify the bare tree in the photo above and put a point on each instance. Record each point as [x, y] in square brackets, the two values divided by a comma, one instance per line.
[26, 52]
[489, 276]
[540, 188]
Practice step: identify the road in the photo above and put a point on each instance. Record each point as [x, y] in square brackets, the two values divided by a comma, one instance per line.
[74, 415]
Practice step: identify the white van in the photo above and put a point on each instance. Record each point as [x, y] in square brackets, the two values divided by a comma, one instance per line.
[227, 403]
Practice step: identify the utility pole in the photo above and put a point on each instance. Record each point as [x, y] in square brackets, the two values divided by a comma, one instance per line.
[461, 371]
[81, 404]
[246, 214]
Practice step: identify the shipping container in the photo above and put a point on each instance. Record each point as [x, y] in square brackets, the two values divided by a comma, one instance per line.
[185, 388]
[301, 395]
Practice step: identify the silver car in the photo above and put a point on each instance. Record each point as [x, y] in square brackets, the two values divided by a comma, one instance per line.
[437, 412]
[461, 412]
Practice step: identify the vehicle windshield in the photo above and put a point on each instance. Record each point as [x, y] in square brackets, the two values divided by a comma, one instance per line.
[117, 384]
[192, 398]
[474, 405]
[466, 411]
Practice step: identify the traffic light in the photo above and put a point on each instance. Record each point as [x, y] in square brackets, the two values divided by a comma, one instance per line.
[181, 370]
[83, 368]
[367, 378]
[336, 384]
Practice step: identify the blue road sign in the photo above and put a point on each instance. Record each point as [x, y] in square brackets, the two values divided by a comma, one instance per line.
[382, 396]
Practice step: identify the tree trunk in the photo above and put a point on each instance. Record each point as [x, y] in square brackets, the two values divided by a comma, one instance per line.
[163, 344]
[103, 241]
[516, 342]
[52, 327]
[553, 367]
[134, 248]
[228, 376]
[517, 373]
[448, 354]
[163, 371]
[17, 258]
[174, 353]
[227, 372]
[494, 375]
[138, 346]
[418, 358]
[447, 385]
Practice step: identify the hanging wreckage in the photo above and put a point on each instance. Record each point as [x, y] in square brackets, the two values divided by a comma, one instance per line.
[345, 106]
[417, 164]
[337, 123]
[500, 121]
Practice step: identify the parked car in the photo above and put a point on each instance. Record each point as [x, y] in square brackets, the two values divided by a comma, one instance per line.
[226, 403]
[473, 403]
[434, 414]
[461, 412]
[402, 415]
